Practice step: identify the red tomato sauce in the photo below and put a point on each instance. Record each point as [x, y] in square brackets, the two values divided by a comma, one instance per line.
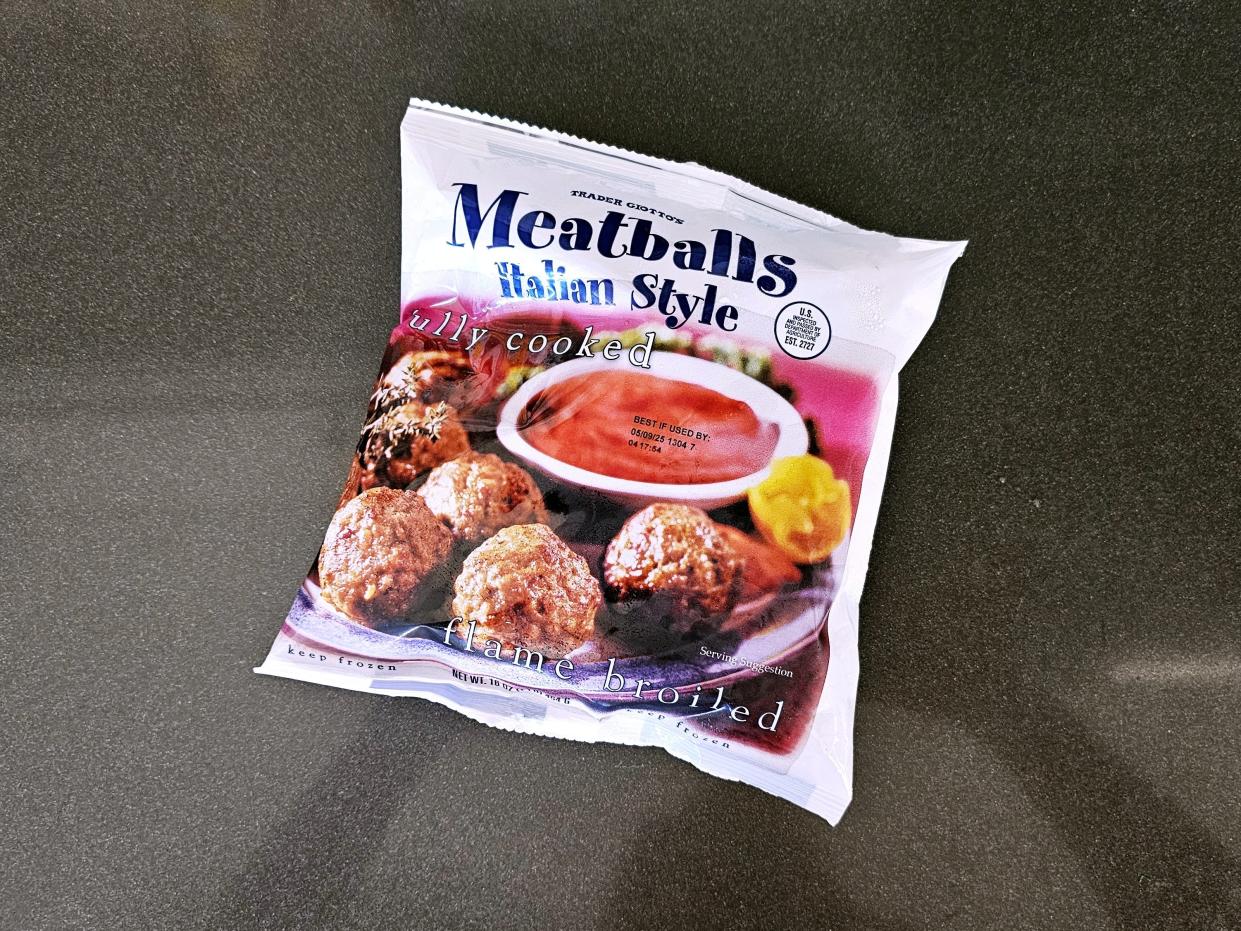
[638, 426]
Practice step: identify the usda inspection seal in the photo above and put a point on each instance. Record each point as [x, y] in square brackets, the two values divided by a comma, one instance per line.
[802, 330]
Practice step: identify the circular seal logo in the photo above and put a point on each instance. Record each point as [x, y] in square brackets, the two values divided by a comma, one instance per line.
[802, 330]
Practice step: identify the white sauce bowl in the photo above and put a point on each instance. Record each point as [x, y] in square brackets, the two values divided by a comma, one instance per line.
[791, 440]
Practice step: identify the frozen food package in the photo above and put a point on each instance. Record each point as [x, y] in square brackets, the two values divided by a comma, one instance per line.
[619, 473]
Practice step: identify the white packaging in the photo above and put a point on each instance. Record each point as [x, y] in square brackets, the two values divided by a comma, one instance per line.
[620, 474]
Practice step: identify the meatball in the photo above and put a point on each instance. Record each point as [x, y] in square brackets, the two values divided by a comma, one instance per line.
[450, 375]
[380, 549]
[430, 376]
[401, 444]
[676, 555]
[524, 587]
[477, 494]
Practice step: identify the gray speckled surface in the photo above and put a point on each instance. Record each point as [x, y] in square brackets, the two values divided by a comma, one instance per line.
[199, 249]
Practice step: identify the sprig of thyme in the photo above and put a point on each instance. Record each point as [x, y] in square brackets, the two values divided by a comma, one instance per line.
[395, 430]
[388, 395]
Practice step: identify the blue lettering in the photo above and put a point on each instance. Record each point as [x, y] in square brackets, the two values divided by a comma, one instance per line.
[467, 208]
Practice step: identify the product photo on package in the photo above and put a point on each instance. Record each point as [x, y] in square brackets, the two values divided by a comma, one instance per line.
[620, 470]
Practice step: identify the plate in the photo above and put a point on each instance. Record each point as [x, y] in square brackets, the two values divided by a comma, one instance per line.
[762, 632]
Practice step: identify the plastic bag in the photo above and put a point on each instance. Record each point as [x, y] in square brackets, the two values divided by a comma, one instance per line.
[621, 467]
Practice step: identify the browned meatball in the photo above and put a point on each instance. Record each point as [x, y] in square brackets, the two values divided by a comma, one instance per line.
[380, 549]
[408, 440]
[479, 493]
[430, 375]
[434, 375]
[524, 587]
[677, 555]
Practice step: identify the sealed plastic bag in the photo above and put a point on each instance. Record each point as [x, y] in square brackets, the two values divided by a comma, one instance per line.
[621, 467]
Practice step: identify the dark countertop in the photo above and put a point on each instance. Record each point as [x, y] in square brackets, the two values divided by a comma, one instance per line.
[200, 252]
